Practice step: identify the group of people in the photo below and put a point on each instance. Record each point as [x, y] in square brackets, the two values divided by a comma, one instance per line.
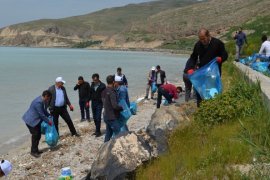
[56, 100]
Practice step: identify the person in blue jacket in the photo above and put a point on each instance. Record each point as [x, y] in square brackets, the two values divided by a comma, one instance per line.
[33, 118]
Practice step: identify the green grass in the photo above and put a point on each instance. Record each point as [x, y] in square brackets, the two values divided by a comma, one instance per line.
[233, 128]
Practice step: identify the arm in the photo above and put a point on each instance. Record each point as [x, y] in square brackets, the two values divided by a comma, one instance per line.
[223, 52]
[66, 97]
[76, 87]
[41, 111]
[245, 37]
[114, 102]
[262, 49]
[125, 80]
[191, 63]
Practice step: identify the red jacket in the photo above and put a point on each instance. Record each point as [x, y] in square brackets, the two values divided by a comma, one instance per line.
[171, 89]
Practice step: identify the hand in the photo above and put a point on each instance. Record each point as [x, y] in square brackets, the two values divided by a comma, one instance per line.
[219, 60]
[71, 107]
[190, 71]
[50, 123]
[87, 104]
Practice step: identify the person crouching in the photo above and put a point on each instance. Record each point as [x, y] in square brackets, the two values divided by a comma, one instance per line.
[169, 91]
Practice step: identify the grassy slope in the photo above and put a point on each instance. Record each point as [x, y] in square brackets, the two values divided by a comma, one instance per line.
[206, 149]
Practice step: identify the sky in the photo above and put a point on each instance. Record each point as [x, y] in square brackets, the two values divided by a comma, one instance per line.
[17, 11]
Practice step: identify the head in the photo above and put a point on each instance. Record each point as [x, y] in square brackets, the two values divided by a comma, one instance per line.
[117, 81]
[59, 82]
[95, 78]
[179, 89]
[80, 80]
[264, 38]
[119, 71]
[204, 36]
[158, 67]
[240, 29]
[5, 168]
[110, 80]
[46, 96]
[153, 69]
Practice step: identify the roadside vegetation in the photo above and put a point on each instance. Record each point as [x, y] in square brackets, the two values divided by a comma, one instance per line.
[232, 129]
[86, 44]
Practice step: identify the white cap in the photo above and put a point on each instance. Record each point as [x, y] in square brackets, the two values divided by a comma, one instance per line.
[118, 79]
[153, 68]
[60, 79]
[6, 167]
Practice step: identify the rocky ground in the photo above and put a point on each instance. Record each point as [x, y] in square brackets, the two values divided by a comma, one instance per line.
[76, 153]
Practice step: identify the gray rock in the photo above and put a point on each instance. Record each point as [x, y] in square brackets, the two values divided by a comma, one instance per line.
[120, 156]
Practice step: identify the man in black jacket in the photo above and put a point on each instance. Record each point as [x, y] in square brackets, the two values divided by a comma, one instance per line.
[58, 105]
[111, 109]
[84, 95]
[160, 76]
[95, 96]
[205, 50]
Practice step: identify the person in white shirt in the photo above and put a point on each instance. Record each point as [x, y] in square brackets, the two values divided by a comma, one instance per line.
[265, 48]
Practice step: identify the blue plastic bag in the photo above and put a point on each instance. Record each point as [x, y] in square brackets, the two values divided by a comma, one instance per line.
[125, 114]
[260, 66]
[51, 136]
[43, 127]
[133, 108]
[206, 80]
[153, 87]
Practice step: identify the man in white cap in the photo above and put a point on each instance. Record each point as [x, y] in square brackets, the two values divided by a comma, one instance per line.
[5, 168]
[150, 79]
[59, 103]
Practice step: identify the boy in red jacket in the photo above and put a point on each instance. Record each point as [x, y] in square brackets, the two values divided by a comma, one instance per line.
[169, 91]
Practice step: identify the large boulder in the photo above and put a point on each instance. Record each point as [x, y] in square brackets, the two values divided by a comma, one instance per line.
[120, 156]
[166, 119]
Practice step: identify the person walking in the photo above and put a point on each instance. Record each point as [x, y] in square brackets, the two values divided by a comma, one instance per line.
[122, 76]
[84, 95]
[240, 40]
[111, 109]
[58, 105]
[265, 48]
[169, 91]
[150, 79]
[96, 89]
[205, 50]
[160, 76]
[5, 168]
[33, 118]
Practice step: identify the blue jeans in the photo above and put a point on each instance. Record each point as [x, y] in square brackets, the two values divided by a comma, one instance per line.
[84, 109]
[112, 127]
[97, 110]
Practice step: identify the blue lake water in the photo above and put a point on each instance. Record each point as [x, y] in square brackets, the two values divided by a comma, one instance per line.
[26, 72]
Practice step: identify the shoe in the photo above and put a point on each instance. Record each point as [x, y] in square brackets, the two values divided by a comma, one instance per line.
[35, 154]
[146, 97]
[89, 120]
[77, 135]
[98, 134]
[82, 120]
[236, 60]
[94, 134]
[40, 152]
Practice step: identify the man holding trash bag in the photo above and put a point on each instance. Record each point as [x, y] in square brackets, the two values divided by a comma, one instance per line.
[151, 78]
[33, 118]
[205, 50]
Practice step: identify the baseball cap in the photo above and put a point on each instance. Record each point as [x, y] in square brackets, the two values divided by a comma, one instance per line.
[6, 167]
[118, 79]
[60, 79]
[153, 68]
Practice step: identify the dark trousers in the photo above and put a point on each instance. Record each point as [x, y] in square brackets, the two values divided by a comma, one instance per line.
[36, 135]
[199, 99]
[162, 92]
[188, 87]
[97, 111]
[84, 109]
[62, 111]
[112, 126]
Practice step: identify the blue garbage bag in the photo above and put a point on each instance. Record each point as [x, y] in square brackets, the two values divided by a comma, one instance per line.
[126, 113]
[207, 80]
[260, 66]
[153, 87]
[133, 108]
[51, 136]
[43, 127]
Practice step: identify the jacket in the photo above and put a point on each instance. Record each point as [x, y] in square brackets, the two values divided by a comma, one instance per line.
[122, 94]
[162, 75]
[36, 113]
[52, 102]
[84, 91]
[110, 103]
[171, 89]
[95, 95]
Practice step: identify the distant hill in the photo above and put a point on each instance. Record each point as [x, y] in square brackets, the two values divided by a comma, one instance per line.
[146, 25]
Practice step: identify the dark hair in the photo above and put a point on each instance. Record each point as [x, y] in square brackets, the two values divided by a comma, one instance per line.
[96, 75]
[110, 79]
[80, 78]
[46, 93]
[2, 161]
[119, 69]
[180, 88]
[158, 67]
[264, 38]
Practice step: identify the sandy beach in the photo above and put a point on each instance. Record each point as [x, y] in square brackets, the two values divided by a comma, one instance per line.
[76, 153]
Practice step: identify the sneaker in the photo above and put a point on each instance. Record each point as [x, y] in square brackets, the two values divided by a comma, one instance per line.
[40, 152]
[89, 120]
[98, 134]
[82, 120]
[35, 154]
[77, 135]
[146, 97]
[94, 134]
